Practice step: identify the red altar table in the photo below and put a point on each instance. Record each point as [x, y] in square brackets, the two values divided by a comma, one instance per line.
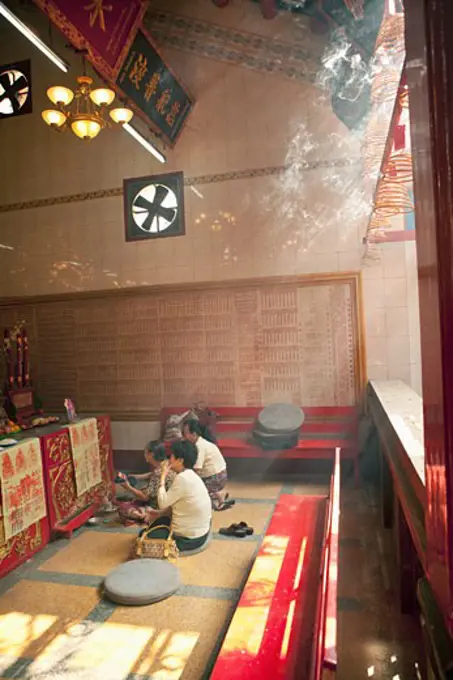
[23, 546]
[65, 512]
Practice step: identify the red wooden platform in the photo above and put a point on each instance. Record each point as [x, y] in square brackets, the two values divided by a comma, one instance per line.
[325, 429]
[285, 622]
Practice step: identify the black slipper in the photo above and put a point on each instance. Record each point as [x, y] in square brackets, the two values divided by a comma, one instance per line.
[243, 525]
[233, 530]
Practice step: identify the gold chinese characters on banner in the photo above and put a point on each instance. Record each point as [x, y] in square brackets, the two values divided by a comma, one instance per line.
[85, 454]
[22, 485]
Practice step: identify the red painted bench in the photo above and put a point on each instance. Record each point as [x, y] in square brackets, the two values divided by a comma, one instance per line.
[325, 429]
[285, 623]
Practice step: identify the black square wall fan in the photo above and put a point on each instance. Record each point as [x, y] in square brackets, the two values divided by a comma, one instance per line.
[15, 89]
[154, 206]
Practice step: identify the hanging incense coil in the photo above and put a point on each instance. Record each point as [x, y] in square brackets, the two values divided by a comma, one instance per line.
[404, 98]
[391, 34]
[374, 144]
[385, 86]
[373, 150]
[399, 168]
[378, 223]
[392, 198]
[377, 227]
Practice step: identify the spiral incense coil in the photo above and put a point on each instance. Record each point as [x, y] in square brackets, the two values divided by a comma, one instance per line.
[385, 86]
[399, 168]
[392, 199]
[404, 98]
[378, 223]
[373, 150]
[377, 227]
[391, 34]
[374, 140]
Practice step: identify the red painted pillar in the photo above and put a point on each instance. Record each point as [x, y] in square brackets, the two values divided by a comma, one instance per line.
[430, 79]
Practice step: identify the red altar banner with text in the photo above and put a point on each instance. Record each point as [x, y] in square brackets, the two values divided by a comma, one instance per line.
[85, 454]
[22, 484]
[105, 30]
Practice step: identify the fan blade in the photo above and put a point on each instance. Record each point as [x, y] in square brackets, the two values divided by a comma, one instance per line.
[15, 104]
[4, 81]
[142, 202]
[148, 222]
[161, 195]
[168, 214]
[18, 84]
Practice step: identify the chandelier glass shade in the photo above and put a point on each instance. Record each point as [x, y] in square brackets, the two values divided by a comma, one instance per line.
[121, 116]
[86, 117]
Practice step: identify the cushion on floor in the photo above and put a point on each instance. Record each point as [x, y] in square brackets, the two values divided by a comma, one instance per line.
[188, 553]
[141, 582]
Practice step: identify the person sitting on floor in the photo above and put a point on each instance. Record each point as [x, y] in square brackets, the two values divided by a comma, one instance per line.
[137, 510]
[210, 465]
[187, 499]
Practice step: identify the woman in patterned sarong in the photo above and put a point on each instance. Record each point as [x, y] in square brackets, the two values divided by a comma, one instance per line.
[141, 509]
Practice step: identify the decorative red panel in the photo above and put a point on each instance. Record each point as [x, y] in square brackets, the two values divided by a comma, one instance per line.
[23, 546]
[20, 548]
[62, 499]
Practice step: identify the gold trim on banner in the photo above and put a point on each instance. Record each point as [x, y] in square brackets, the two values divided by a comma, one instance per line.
[78, 40]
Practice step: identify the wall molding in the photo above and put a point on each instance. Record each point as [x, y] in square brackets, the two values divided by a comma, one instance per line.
[307, 279]
[244, 49]
[188, 182]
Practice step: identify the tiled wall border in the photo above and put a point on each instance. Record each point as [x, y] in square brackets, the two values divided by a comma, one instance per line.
[188, 181]
[240, 48]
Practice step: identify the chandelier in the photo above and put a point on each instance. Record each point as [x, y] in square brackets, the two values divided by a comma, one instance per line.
[87, 116]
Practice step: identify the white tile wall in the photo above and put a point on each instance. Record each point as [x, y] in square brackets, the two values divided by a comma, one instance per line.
[392, 318]
[133, 436]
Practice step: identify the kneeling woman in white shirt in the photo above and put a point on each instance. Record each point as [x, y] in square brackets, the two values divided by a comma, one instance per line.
[187, 499]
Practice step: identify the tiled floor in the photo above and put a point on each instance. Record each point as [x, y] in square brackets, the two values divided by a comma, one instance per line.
[374, 639]
[54, 624]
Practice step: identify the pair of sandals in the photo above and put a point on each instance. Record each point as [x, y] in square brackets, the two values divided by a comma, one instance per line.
[239, 530]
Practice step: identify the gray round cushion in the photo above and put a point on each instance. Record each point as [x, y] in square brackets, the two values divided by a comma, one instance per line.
[142, 581]
[195, 551]
[278, 418]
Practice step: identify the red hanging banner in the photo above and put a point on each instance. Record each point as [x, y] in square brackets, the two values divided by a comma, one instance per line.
[105, 30]
[399, 137]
